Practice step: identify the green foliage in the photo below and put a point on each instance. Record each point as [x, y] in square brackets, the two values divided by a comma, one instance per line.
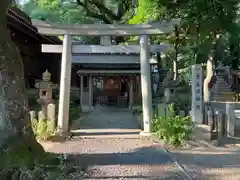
[43, 128]
[201, 21]
[174, 130]
[52, 11]
[20, 152]
[137, 111]
[74, 113]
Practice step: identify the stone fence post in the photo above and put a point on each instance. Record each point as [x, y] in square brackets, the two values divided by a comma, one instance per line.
[220, 127]
[211, 122]
[41, 116]
[230, 119]
[32, 115]
[51, 115]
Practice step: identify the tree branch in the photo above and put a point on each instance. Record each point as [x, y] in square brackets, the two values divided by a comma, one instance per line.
[93, 14]
[103, 9]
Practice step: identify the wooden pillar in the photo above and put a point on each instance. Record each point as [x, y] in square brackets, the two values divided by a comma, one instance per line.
[81, 91]
[146, 85]
[131, 93]
[65, 83]
[90, 90]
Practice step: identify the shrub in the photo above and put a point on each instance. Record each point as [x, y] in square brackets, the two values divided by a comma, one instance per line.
[74, 113]
[43, 128]
[174, 130]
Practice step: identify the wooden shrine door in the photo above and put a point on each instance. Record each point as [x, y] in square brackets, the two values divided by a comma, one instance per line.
[112, 88]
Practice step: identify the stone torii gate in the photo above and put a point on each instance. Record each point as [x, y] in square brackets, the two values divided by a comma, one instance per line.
[105, 30]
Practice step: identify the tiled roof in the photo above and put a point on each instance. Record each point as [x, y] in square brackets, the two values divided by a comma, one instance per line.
[17, 19]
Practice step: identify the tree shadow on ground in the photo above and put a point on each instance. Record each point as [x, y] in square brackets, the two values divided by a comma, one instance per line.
[201, 164]
[146, 155]
[210, 164]
[160, 164]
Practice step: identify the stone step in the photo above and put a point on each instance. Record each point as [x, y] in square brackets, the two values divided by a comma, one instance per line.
[224, 99]
[222, 90]
[225, 90]
[221, 81]
[222, 94]
[226, 87]
[223, 85]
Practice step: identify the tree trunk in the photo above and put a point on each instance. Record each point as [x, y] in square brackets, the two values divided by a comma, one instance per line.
[16, 136]
[175, 68]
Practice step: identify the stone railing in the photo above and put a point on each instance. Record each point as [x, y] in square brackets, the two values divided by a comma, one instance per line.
[222, 121]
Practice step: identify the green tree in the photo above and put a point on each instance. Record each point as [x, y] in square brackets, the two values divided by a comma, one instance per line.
[52, 11]
[201, 22]
[86, 12]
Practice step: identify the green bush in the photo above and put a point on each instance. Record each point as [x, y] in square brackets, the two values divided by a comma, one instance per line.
[174, 130]
[74, 113]
[43, 128]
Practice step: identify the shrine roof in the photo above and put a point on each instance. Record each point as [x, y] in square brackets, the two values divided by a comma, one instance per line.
[107, 66]
[19, 20]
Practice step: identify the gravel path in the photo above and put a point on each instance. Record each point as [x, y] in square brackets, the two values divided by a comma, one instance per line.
[106, 154]
[109, 118]
[120, 158]
[110, 156]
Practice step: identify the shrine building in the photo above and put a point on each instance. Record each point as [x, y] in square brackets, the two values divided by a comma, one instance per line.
[106, 76]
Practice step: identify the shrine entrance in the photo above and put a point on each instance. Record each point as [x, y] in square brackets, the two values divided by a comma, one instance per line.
[120, 89]
[141, 51]
[114, 92]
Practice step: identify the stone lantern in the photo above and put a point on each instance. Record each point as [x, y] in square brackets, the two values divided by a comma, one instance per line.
[45, 91]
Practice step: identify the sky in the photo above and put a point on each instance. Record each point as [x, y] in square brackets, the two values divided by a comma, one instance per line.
[20, 1]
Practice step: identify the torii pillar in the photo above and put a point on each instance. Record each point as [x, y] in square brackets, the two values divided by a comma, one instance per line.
[65, 85]
[146, 85]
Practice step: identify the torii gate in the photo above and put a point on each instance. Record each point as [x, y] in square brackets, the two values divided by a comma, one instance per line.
[105, 30]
